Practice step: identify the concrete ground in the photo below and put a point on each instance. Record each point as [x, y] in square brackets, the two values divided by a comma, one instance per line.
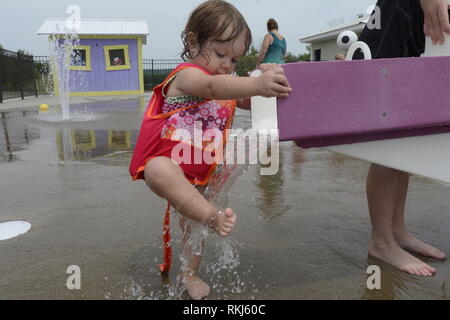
[32, 102]
[301, 233]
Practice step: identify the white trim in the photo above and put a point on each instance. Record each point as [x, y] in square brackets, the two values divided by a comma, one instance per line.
[334, 32]
[98, 27]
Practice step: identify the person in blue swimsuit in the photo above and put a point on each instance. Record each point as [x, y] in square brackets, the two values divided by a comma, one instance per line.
[274, 46]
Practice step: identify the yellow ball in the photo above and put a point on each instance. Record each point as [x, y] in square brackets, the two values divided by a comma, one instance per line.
[43, 107]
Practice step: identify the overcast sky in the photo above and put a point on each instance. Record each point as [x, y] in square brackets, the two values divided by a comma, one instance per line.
[20, 19]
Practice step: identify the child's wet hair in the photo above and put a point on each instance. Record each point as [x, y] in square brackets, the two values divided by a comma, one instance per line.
[209, 21]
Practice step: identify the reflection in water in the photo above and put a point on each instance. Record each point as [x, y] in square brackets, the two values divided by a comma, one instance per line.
[272, 202]
[297, 160]
[77, 140]
[79, 145]
[119, 140]
[9, 154]
[14, 135]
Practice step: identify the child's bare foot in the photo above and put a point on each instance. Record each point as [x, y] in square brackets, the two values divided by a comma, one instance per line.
[223, 222]
[394, 255]
[195, 287]
[409, 242]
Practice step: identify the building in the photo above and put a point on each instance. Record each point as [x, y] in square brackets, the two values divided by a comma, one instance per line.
[324, 44]
[108, 57]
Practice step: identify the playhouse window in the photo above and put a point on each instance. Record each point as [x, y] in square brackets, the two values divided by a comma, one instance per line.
[117, 57]
[119, 140]
[81, 58]
[83, 140]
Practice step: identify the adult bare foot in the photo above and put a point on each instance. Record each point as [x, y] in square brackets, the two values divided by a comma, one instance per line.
[409, 242]
[195, 287]
[394, 255]
[223, 222]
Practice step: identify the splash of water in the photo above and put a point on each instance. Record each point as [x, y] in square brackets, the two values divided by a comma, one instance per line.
[62, 52]
[217, 192]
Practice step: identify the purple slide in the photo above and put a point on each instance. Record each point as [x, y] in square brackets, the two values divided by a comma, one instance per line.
[343, 102]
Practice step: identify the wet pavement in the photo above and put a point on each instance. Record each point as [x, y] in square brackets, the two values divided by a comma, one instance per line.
[301, 234]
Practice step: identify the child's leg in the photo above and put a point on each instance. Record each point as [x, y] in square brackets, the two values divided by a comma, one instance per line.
[195, 287]
[403, 237]
[167, 180]
[382, 184]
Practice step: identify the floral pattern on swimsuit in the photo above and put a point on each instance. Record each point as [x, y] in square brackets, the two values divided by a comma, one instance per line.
[204, 116]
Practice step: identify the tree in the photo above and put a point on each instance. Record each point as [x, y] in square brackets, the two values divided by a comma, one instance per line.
[24, 52]
[247, 63]
[290, 58]
[305, 57]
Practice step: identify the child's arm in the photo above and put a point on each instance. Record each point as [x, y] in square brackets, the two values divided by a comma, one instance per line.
[271, 83]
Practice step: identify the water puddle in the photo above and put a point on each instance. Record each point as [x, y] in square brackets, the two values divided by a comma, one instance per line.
[301, 233]
[58, 119]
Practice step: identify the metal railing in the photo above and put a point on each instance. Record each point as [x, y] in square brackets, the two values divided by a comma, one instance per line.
[44, 79]
[156, 70]
[17, 75]
[22, 75]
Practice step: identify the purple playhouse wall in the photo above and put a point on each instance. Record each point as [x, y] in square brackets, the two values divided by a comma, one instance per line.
[99, 79]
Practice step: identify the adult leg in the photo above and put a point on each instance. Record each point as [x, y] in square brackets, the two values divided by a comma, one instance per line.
[382, 185]
[401, 35]
[402, 236]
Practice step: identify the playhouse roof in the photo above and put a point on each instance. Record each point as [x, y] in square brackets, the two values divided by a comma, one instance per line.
[334, 32]
[88, 27]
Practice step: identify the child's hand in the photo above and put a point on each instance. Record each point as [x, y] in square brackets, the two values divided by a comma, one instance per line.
[273, 82]
[270, 66]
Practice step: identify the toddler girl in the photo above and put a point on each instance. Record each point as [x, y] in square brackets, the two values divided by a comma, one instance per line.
[198, 99]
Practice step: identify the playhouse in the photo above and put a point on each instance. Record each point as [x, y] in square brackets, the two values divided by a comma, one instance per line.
[323, 44]
[108, 57]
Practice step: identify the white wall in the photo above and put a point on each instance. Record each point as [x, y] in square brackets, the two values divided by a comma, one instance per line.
[329, 49]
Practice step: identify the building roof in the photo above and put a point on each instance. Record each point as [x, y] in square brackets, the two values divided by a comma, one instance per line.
[88, 27]
[334, 32]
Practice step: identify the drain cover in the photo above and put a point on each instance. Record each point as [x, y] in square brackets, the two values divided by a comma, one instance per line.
[13, 229]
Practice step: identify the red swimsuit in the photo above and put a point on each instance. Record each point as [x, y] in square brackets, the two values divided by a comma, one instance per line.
[159, 135]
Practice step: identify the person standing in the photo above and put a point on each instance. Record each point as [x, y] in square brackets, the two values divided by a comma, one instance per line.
[404, 26]
[273, 49]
